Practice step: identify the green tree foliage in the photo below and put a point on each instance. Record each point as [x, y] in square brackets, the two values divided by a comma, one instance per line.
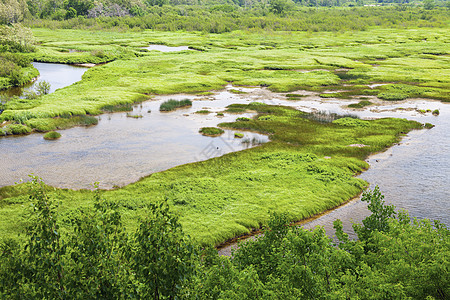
[161, 255]
[12, 11]
[43, 87]
[95, 258]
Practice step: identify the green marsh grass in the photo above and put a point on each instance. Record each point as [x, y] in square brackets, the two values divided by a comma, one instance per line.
[52, 135]
[211, 131]
[360, 104]
[413, 61]
[172, 104]
[203, 112]
[226, 196]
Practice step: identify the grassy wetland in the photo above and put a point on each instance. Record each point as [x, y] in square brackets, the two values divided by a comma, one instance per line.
[308, 166]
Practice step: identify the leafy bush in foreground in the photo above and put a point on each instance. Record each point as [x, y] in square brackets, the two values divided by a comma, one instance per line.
[394, 258]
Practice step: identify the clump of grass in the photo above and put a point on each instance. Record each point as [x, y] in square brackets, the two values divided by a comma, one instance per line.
[294, 97]
[52, 135]
[422, 111]
[87, 120]
[219, 114]
[351, 122]
[211, 131]
[360, 104]
[330, 95]
[234, 91]
[235, 110]
[238, 135]
[428, 125]
[435, 112]
[205, 94]
[243, 119]
[117, 108]
[172, 104]
[134, 116]
[203, 111]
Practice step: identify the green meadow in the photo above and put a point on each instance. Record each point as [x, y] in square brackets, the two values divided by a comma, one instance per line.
[308, 167]
[411, 62]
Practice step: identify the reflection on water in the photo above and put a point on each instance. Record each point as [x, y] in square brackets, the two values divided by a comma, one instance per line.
[58, 75]
[164, 48]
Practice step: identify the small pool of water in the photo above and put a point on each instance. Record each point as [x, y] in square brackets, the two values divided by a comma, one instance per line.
[164, 48]
[58, 75]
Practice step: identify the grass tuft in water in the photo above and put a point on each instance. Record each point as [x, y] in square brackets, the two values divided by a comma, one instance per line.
[52, 135]
[172, 104]
[211, 131]
[360, 104]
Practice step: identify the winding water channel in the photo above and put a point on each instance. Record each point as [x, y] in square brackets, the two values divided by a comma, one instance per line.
[412, 175]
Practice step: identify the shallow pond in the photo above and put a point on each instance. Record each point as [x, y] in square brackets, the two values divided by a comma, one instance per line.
[121, 149]
[58, 75]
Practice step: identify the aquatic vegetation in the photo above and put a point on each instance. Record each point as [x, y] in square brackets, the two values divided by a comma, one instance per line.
[330, 95]
[428, 125]
[118, 107]
[172, 104]
[435, 112]
[211, 131]
[360, 104]
[234, 91]
[238, 135]
[133, 116]
[203, 111]
[52, 135]
[242, 119]
[352, 122]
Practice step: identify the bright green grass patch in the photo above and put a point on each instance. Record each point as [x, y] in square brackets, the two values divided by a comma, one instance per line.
[171, 104]
[330, 95]
[360, 104]
[52, 135]
[226, 196]
[211, 131]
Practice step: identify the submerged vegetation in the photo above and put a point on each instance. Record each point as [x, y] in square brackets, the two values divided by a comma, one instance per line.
[412, 63]
[211, 131]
